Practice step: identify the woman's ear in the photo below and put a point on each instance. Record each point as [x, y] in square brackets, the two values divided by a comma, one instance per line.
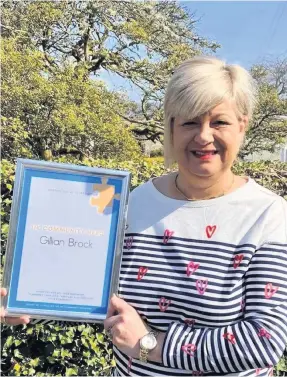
[244, 124]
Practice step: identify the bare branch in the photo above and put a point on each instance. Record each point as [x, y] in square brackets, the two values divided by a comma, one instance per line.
[11, 28]
[138, 121]
[95, 67]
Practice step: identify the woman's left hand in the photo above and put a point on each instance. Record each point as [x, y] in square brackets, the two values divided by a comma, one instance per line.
[125, 326]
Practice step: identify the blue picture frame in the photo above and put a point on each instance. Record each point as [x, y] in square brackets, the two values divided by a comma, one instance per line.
[36, 203]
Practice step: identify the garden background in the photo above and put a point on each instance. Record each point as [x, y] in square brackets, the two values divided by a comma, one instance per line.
[56, 106]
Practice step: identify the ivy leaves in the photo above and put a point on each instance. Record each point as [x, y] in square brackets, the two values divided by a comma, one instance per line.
[56, 350]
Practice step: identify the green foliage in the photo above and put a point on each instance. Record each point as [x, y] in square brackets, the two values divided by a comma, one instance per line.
[51, 350]
[268, 128]
[69, 349]
[7, 182]
[15, 135]
[282, 366]
[156, 152]
[47, 114]
[141, 41]
[270, 174]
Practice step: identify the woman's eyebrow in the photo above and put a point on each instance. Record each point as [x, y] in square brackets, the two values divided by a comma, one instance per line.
[211, 115]
[220, 114]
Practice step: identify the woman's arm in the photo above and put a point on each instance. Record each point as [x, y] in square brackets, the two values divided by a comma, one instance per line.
[258, 341]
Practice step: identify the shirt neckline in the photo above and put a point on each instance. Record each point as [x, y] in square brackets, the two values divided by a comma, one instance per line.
[201, 203]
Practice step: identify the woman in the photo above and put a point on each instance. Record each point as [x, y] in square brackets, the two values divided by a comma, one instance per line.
[202, 289]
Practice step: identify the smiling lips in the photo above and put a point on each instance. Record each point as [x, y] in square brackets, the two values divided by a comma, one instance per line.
[204, 155]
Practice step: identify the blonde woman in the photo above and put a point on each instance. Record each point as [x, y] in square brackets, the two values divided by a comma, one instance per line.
[202, 285]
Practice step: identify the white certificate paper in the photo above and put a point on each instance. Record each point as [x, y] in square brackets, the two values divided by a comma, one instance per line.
[64, 257]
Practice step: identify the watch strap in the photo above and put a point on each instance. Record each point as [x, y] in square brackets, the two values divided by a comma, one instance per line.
[143, 355]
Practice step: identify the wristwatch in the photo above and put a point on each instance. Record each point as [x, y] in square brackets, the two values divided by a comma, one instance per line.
[147, 344]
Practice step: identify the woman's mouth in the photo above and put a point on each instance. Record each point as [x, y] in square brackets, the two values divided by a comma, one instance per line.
[205, 155]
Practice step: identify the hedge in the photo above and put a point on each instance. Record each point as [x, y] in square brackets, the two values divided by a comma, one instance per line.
[69, 349]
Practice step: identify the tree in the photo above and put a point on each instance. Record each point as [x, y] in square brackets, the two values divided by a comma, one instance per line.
[139, 41]
[268, 128]
[53, 113]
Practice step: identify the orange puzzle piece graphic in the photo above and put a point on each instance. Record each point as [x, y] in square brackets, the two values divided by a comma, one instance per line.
[105, 197]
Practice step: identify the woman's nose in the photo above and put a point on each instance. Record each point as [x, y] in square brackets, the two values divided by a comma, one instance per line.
[204, 135]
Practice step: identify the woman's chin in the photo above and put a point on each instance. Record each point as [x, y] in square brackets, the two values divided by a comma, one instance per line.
[203, 170]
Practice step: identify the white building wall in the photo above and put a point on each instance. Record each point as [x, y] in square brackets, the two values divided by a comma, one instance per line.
[279, 155]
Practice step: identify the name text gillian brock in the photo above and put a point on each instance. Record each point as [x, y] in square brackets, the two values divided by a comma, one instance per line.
[44, 240]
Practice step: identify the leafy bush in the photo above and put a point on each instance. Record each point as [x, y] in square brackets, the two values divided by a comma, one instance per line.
[156, 152]
[70, 349]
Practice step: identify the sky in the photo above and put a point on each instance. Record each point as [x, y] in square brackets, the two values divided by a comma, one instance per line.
[248, 32]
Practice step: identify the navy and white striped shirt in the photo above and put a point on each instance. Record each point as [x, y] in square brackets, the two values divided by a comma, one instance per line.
[212, 275]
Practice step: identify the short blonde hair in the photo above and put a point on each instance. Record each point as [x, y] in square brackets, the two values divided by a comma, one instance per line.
[198, 85]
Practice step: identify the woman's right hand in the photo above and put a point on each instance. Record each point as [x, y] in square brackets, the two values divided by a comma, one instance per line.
[12, 321]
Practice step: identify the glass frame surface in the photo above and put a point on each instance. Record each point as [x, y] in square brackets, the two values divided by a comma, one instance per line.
[26, 170]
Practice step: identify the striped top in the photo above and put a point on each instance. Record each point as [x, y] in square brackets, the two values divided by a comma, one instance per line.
[211, 275]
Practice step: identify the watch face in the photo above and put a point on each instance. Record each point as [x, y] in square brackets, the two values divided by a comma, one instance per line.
[148, 342]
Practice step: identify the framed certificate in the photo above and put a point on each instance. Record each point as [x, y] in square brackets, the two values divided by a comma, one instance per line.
[65, 240]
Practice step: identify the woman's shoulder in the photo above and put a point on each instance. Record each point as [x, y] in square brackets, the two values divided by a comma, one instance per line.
[257, 196]
[264, 191]
[146, 204]
[150, 188]
[269, 198]
[273, 212]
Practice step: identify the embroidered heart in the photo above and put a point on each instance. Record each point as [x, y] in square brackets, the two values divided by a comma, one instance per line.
[210, 230]
[201, 286]
[191, 268]
[189, 322]
[189, 349]
[263, 332]
[242, 305]
[167, 235]
[129, 243]
[237, 260]
[230, 337]
[270, 290]
[163, 304]
[141, 272]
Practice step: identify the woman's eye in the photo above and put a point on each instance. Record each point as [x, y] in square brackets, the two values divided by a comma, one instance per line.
[195, 123]
[221, 122]
[191, 123]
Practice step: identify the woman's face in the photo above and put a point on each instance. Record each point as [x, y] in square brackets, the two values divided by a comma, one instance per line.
[208, 145]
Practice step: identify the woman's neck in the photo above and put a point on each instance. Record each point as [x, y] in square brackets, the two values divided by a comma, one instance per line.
[201, 188]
